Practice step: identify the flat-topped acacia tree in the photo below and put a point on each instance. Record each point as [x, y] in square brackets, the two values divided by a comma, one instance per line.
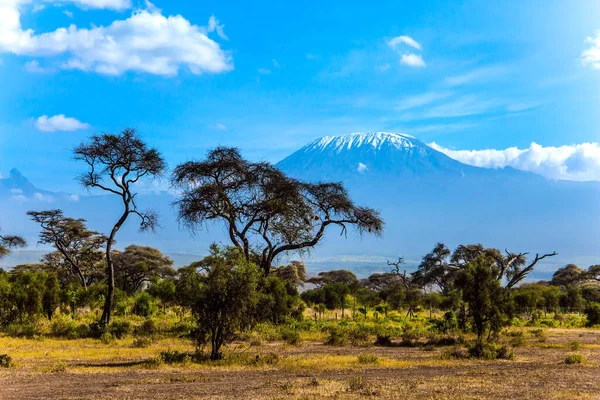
[9, 242]
[266, 213]
[116, 162]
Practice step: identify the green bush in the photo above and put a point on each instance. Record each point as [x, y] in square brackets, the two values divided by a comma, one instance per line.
[338, 336]
[27, 330]
[367, 359]
[107, 338]
[574, 358]
[456, 352]
[291, 336]
[144, 305]
[574, 345]
[592, 311]
[147, 328]
[489, 351]
[358, 335]
[64, 326]
[142, 342]
[6, 361]
[411, 334]
[119, 328]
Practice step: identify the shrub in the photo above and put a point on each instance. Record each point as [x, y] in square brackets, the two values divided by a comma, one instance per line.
[540, 334]
[574, 358]
[174, 357]
[6, 361]
[358, 335]
[455, 352]
[367, 359]
[142, 342]
[592, 312]
[64, 326]
[338, 336]
[107, 338]
[144, 305]
[291, 336]
[356, 383]
[119, 328]
[148, 327]
[489, 351]
[574, 345]
[411, 335]
[383, 340]
[27, 330]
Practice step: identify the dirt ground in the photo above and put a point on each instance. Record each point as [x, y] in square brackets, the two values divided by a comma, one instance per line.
[85, 369]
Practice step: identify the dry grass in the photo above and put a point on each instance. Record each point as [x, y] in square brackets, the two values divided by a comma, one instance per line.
[86, 368]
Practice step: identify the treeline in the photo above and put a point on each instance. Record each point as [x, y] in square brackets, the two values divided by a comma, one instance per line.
[266, 214]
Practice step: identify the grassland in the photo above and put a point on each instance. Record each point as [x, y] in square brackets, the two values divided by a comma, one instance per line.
[90, 369]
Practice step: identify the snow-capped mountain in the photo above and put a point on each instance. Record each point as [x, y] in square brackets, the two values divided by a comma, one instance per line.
[425, 196]
[373, 154]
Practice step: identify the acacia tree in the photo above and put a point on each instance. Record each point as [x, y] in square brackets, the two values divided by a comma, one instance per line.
[139, 264]
[78, 246]
[9, 242]
[266, 213]
[116, 162]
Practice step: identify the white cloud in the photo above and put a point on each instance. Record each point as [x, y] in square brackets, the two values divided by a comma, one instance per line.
[147, 41]
[213, 25]
[384, 67]
[362, 168]
[68, 13]
[218, 127]
[38, 8]
[43, 197]
[310, 56]
[462, 107]
[59, 123]
[412, 60]
[264, 71]
[16, 191]
[101, 4]
[580, 162]
[407, 40]
[276, 63]
[34, 67]
[420, 100]
[480, 75]
[73, 197]
[591, 56]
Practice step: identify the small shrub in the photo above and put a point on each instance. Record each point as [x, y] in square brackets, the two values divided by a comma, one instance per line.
[26, 330]
[148, 327]
[142, 342]
[574, 345]
[291, 336]
[358, 335]
[338, 336]
[6, 361]
[174, 357]
[574, 358]
[592, 312]
[266, 359]
[64, 326]
[144, 305]
[58, 367]
[356, 384]
[540, 334]
[489, 351]
[119, 328]
[456, 352]
[517, 341]
[367, 359]
[383, 340]
[107, 338]
[411, 335]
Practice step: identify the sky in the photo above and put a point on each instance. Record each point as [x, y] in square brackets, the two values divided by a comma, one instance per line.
[513, 83]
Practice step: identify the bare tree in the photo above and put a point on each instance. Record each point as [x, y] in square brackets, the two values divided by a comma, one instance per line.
[78, 246]
[116, 162]
[266, 213]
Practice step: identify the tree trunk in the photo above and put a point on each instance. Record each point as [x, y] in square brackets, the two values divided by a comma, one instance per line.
[110, 280]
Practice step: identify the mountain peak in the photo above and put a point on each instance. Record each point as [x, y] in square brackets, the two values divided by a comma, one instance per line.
[376, 140]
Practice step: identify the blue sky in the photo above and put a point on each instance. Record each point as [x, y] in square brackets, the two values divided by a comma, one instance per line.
[270, 76]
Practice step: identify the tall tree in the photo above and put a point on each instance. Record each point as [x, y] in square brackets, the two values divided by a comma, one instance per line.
[436, 269]
[115, 163]
[79, 247]
[9, 242]
[266, 212]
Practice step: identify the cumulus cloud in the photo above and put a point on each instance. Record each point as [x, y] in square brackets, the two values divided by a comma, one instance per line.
[591, 56]
[580, 162]
[147, 41]
[264, 71]
[412, 60]
[59, 123]
[34, 67]
[362, 168]
[407, 58]
[100, 4]
[218, 127]
[407, 40]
